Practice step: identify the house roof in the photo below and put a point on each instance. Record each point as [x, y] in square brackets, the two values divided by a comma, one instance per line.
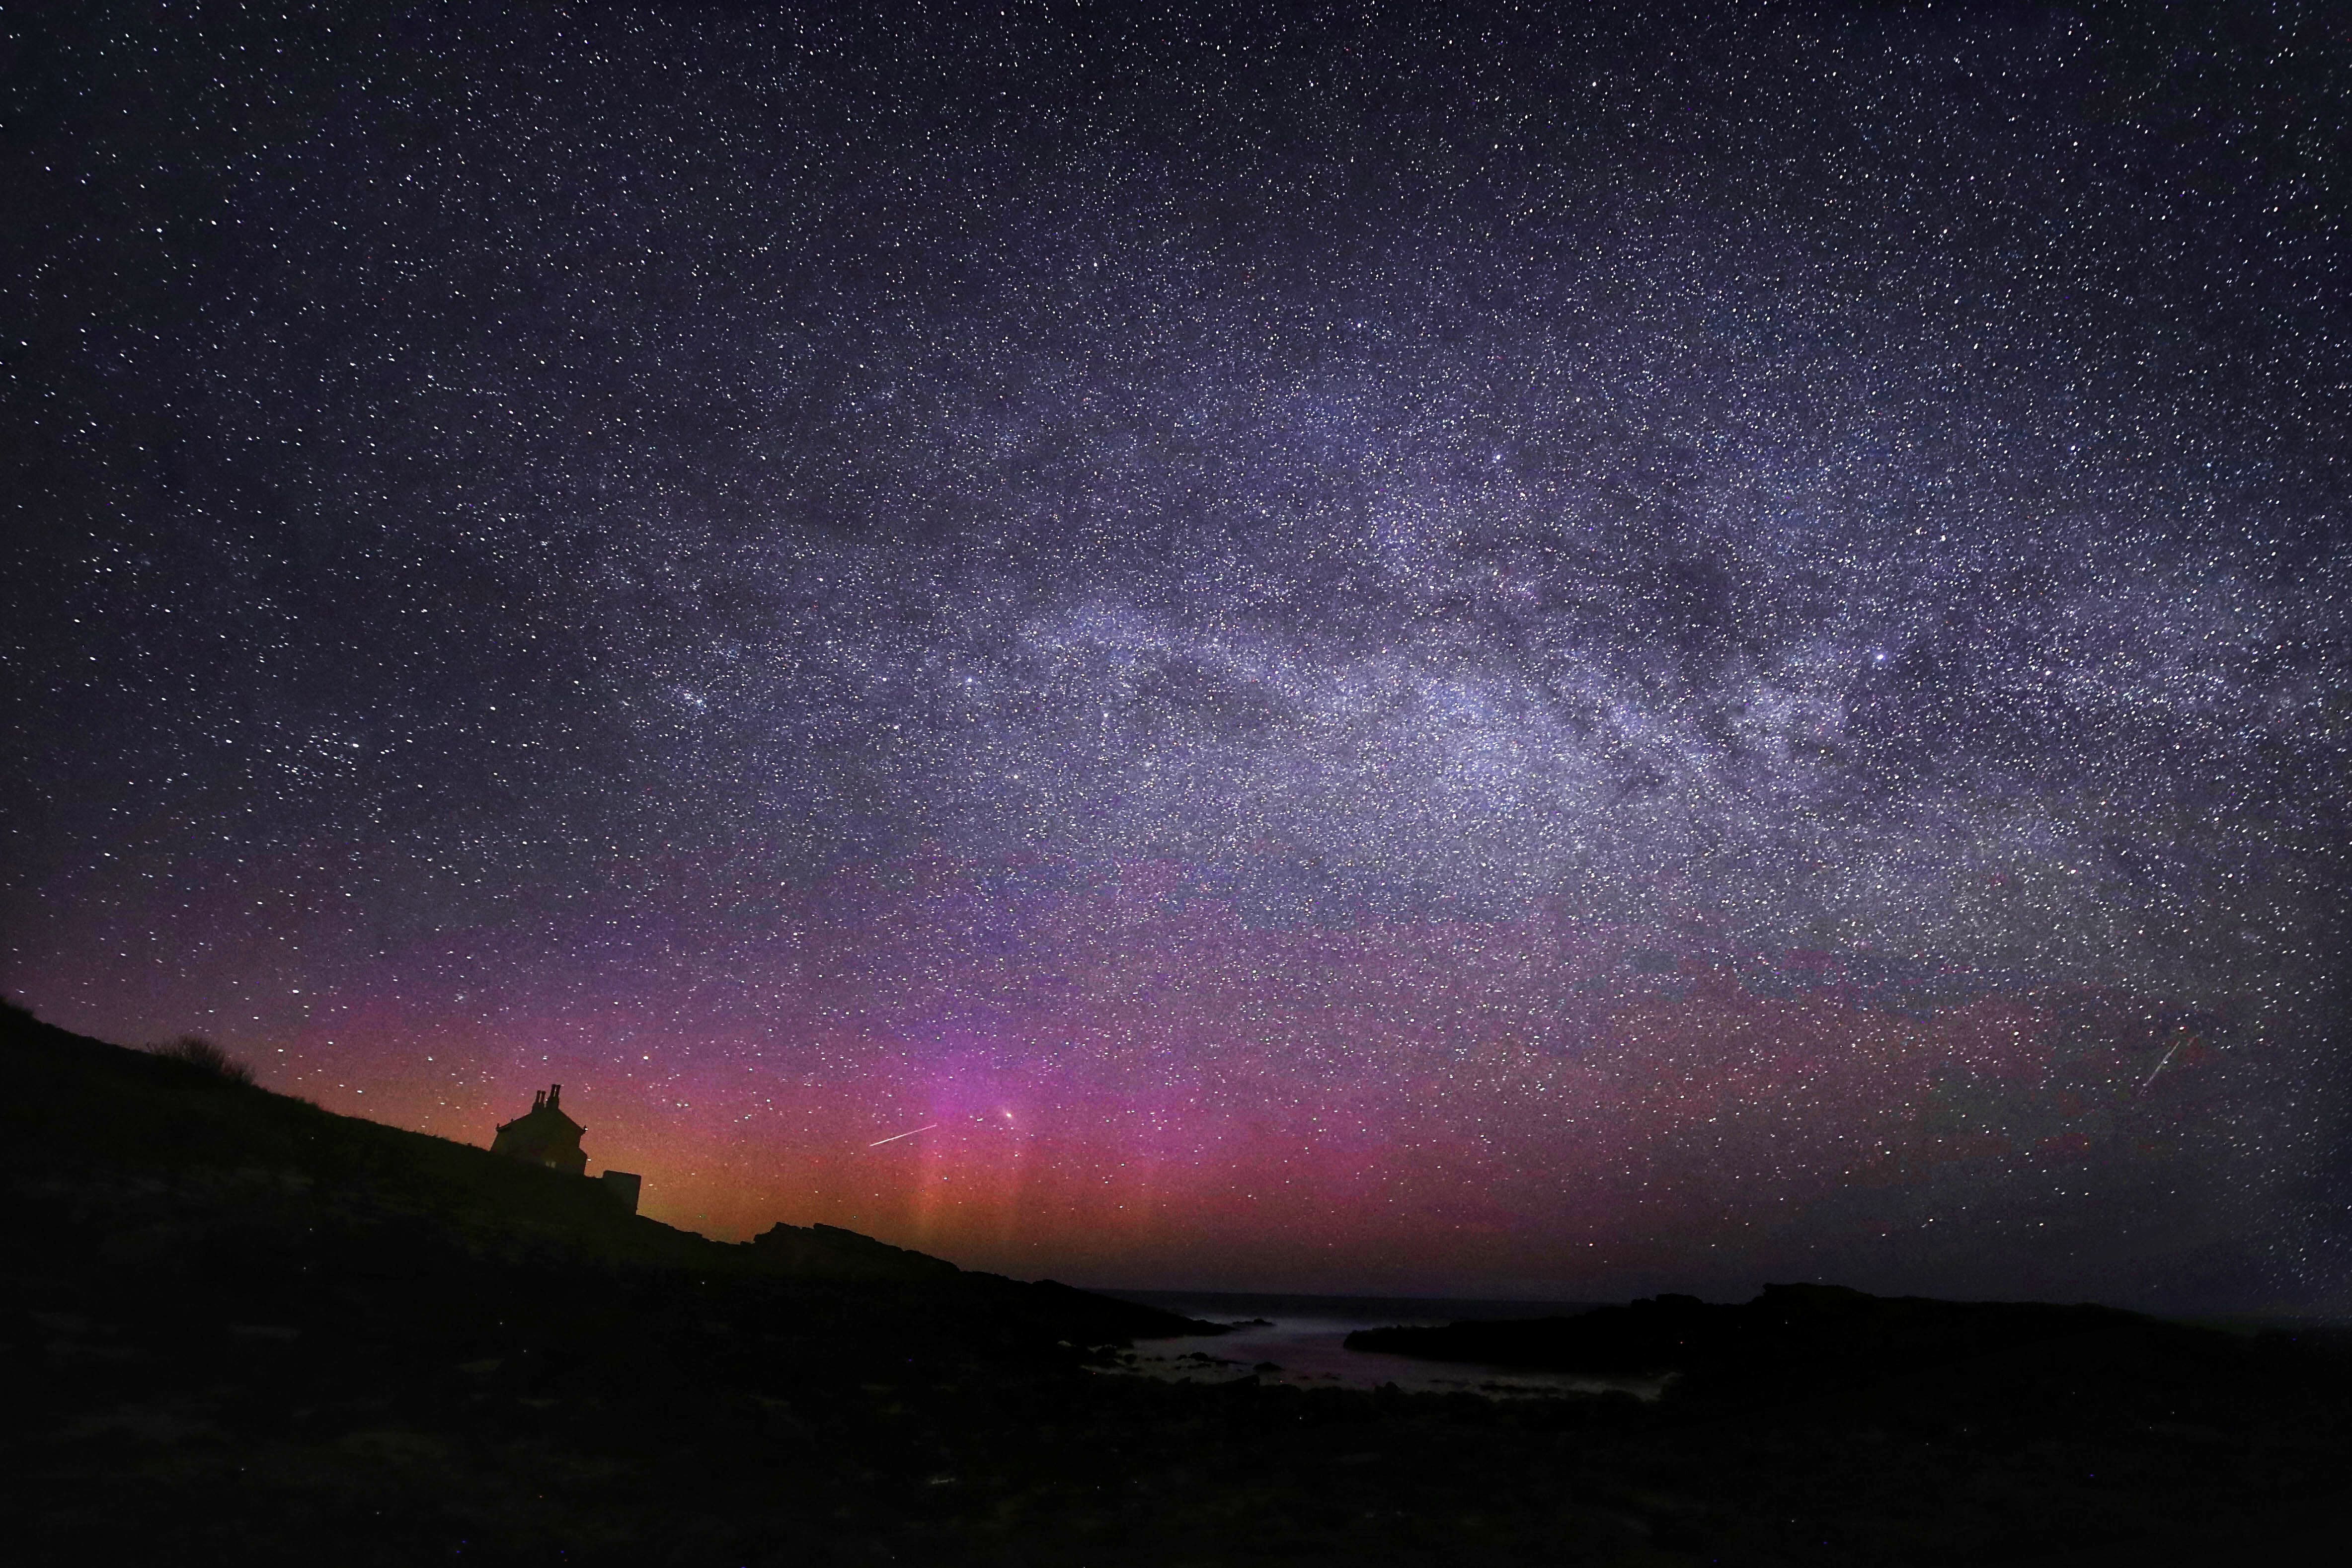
[544, 1121]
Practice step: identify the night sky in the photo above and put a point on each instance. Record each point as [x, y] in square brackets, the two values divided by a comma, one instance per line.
[1489, 655]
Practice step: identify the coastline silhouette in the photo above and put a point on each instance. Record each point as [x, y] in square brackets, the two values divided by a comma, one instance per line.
[255, 1328]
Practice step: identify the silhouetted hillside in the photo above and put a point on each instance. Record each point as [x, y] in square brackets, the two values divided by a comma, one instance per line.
[241, 1328]
[165, 1151]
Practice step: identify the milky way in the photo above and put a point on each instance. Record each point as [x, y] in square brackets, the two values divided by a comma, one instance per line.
[1451, 655]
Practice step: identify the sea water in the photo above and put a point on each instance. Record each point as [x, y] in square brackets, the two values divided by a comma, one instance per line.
[1302, 1337]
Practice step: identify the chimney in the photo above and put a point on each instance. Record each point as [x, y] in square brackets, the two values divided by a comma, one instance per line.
[552, 1094]
[538, 1099]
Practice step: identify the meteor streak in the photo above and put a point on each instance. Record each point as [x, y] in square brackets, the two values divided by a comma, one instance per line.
[909, 1132]
[2159, 1066]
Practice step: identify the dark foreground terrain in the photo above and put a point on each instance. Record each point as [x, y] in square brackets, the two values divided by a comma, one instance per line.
[240, 1329]
[1795, 1342]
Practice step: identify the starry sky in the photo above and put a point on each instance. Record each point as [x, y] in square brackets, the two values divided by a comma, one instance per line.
[1340, 648]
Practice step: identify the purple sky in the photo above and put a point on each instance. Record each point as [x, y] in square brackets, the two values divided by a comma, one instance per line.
[1505, 656]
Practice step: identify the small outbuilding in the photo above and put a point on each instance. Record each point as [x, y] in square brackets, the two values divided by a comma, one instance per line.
[624, 1186]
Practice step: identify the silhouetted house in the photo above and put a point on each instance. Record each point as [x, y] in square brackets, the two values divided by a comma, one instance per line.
[545, 1136]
